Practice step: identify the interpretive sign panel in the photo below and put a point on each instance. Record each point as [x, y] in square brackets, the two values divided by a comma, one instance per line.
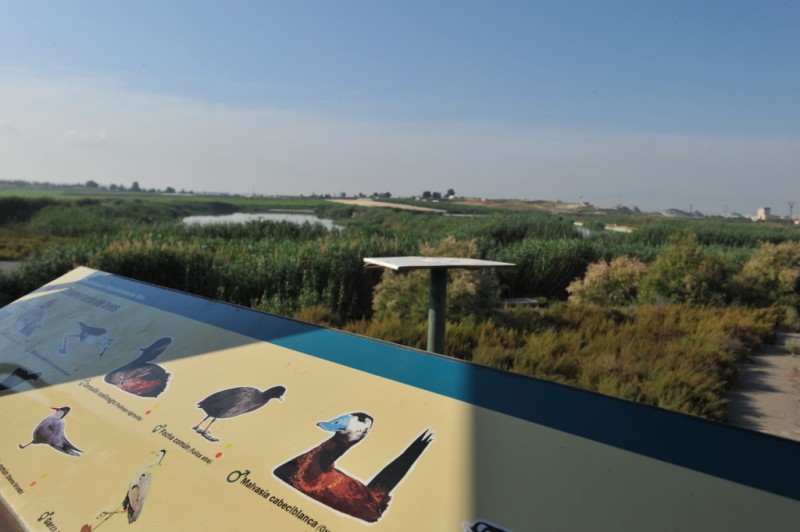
[126, 406]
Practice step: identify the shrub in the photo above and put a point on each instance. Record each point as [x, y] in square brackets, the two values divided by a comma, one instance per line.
[672, 356]
[605, 283]
[392, 329]
[683, 273]
[772, 275]
[793, 346]
[318, 315]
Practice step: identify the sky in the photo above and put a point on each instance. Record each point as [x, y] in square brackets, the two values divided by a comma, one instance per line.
[687, 104]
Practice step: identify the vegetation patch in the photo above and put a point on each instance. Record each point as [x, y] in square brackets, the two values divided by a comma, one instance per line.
[661, 315]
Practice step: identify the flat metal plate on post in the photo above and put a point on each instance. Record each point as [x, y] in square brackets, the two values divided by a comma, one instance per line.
[428, 263]
[437, 298]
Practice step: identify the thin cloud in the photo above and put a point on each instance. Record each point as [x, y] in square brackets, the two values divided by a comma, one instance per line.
[8, 130]
[75, 137]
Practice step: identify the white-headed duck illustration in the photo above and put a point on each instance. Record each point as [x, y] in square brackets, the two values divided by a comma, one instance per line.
[314, 473]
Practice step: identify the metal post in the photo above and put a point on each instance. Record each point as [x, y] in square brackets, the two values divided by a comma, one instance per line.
[437, 308]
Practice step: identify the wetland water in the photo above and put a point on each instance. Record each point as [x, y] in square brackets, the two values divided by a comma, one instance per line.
[242, 217]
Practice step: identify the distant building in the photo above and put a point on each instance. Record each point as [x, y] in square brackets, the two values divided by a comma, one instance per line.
[677, 213]
[763, 214]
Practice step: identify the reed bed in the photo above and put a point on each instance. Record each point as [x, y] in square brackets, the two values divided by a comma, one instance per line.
[677, 352]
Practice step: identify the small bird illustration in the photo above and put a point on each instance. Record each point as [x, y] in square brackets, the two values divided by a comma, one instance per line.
[234, 402]
[482, 526]
[32, 320]
[314, 473]
[137, 493]
[89, 335]
[52, 431]
[142, 376]
[17, 377]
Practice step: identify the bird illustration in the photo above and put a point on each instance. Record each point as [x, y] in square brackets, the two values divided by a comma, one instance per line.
[482, 526]
[89, 335]
[143, 377]
[137, 493]
[234, 402]
[314, 473]
[32, 320]
[52, 431]
[17, 377]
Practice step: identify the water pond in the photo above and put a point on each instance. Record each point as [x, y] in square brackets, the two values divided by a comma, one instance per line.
[242, 217]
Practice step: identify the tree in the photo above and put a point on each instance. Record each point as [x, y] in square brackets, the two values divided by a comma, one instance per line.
[682, 273]
[451, 192]
[91, 184]
[170, 190]
[426, 194]
[135, 187]
[772, 275]
[437, 195]
[605, 283]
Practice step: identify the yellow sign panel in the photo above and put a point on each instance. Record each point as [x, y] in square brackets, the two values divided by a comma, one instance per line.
[125, 406]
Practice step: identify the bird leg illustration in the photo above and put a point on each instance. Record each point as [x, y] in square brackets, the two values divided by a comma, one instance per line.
[204, 432]
[89, 335]
[135, 497]
[63, 350]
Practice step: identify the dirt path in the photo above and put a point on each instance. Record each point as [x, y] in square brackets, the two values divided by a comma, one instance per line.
[366, 202]
[767, 398]
[8, 266]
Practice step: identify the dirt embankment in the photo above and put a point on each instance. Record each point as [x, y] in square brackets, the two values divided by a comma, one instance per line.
[366, 202]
